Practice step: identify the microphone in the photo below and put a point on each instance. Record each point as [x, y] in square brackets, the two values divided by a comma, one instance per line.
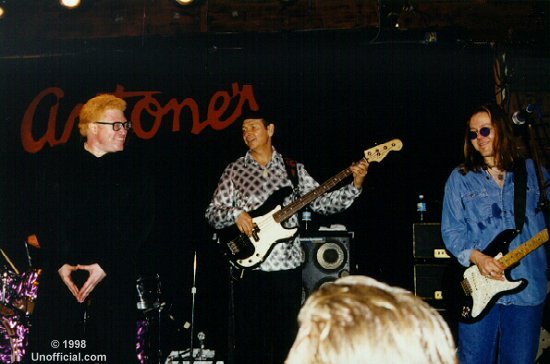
[522, 116]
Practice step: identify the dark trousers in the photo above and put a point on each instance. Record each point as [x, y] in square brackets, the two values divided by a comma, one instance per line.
[106, 325]
[266, 307]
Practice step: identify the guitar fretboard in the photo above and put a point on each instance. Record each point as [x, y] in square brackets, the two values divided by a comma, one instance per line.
[297, 205]
[375, 154]
[524, 249]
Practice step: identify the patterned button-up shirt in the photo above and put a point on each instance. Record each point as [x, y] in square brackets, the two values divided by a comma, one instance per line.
[245, 185]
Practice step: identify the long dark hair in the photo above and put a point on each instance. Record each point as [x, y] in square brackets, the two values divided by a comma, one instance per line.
[504, 145]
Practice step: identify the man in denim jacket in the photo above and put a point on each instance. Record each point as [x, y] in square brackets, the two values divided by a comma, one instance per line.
[478, 205]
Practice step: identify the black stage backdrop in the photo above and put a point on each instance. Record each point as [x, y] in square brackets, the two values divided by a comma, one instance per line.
[333, 94]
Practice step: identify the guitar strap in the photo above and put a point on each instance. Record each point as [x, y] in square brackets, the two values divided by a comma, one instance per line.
[292, 172]
[520, 192]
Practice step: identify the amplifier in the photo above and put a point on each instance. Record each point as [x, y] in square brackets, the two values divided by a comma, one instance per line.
[427, 241]
[431, 283]
[327, 258]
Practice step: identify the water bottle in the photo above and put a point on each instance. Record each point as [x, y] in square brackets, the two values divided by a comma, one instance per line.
[421, 208]
[306, 219]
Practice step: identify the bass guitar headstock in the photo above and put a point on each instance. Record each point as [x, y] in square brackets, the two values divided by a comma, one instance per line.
[379, 152]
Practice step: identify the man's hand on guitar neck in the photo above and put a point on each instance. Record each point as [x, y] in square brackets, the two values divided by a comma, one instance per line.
[245, 224]
[359, 171]
[487, 265]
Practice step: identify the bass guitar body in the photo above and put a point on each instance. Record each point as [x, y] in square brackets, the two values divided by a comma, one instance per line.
[249, 252]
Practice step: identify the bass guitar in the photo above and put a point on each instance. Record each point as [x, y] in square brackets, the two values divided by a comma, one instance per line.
[249, 252]
[477, 293]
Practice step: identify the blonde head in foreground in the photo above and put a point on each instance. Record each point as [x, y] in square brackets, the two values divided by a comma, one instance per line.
[357, 319]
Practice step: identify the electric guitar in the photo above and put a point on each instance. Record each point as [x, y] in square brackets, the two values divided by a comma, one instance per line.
[249, 252]
[477, 293]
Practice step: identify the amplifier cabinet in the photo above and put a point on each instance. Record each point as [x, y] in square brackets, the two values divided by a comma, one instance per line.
[431, 282]
[427, 242]
[327, 258]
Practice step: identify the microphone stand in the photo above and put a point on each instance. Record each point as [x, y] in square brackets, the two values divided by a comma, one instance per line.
[543, 204]
[193, 292]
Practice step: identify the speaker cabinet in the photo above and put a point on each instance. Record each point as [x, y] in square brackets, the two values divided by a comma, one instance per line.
[431, 283]
[431, 264]
[327, 257]
[427, 241]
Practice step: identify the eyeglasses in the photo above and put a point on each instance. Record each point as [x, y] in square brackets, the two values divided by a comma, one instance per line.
[485, 131]
[117, 125]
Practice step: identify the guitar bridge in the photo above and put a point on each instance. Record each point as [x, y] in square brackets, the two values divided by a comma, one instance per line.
[236, 245]
[466, 287]
[233, 247]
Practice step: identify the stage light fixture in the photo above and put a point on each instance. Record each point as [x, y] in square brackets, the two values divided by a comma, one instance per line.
[2, 11]
[184, 2]
[70, 3]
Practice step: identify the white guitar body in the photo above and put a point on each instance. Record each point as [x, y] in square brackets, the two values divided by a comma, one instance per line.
[270, 233]
[483, 289]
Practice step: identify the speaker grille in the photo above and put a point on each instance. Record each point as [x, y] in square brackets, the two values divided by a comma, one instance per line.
[327, 258]
[330, 256]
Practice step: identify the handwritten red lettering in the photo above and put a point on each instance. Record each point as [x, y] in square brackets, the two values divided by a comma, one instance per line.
[32, 145]
[147, 113]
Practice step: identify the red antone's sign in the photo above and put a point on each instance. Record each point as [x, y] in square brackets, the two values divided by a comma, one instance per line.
[146, 107]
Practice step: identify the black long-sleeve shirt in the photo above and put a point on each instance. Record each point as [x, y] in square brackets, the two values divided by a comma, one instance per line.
[103, 210]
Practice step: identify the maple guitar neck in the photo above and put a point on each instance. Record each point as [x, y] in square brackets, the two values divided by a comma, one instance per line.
[524, 249]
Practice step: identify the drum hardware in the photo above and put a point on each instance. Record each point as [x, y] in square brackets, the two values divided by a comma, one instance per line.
[29, 259]
[200, 354]
[17, 300]
[148, 291]
[193, 292]
[18, 294]
[192, 355]
[31, 240]
[8, 260]
[149, 304]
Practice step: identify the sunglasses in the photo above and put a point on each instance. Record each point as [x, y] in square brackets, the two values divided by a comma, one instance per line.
[485, 131]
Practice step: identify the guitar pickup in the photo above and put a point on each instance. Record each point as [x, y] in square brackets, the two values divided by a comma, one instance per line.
[255, 233]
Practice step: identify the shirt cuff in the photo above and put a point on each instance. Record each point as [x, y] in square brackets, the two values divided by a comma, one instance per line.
[356, 191]
[236, 214]
[464, 257]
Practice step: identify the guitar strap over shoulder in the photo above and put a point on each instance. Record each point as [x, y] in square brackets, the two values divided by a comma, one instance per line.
[520, 192]
[291, 171]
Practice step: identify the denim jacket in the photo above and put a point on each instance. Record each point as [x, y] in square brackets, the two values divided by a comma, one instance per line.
[476, 209]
